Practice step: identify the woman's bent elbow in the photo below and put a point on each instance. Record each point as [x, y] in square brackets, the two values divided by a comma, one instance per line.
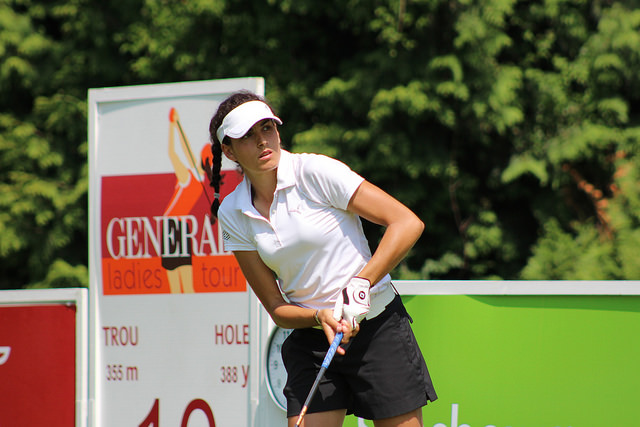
[417, 226]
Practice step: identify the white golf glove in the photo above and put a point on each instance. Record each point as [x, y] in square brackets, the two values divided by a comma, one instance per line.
[353, 303]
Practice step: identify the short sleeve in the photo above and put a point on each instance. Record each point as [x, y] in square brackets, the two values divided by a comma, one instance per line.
[328, 180]
[234, 234]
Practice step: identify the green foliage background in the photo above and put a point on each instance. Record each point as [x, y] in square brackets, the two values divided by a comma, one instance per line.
[511, 127]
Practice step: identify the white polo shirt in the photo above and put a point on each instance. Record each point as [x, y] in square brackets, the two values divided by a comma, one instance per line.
[311, 242]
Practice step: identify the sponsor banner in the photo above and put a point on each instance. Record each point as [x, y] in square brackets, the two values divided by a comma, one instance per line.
[529, 360]
[38, 365]
[170, 323]
[143, 249]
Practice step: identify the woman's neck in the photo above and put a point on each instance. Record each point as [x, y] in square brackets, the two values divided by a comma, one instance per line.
[263, 188]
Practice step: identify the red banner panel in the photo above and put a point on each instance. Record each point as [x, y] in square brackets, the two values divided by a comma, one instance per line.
[37, 365]
[157, 237]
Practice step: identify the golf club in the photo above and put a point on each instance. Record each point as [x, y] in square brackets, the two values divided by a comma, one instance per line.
[325, 364]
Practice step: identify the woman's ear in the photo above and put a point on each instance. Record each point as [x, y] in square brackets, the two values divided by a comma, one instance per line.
[228, 151]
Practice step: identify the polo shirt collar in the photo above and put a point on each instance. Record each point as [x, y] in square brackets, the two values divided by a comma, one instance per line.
[285, 179]
[286, 173]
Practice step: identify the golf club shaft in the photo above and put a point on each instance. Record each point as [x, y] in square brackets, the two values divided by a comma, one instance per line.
[186, 143]
[325, 364]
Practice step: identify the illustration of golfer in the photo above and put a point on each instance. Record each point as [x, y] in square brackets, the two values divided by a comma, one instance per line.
[177, 252]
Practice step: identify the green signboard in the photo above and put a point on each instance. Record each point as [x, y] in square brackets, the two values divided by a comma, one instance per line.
[529, 360]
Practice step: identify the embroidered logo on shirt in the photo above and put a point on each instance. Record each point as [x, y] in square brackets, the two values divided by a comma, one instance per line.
[225, 235]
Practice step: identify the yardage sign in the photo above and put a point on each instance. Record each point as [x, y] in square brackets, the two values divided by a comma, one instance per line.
[170, 323]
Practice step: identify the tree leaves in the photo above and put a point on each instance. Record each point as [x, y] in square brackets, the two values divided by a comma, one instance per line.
[511, 128]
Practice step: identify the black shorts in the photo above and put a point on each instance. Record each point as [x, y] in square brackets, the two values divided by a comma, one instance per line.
[381, 375]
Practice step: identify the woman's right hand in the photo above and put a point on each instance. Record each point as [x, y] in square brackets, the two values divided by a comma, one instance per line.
[332, 326]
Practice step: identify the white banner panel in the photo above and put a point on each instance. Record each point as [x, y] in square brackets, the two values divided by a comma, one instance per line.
[170, 309]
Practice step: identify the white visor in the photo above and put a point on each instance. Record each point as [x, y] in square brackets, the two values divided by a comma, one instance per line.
[239, 120]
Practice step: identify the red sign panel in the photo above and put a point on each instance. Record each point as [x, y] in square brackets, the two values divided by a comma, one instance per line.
[37, 365]
[157, 237]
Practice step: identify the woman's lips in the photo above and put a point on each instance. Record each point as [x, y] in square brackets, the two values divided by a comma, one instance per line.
[265, 153]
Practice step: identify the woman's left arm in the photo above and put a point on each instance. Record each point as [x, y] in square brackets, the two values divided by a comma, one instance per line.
[403, 228]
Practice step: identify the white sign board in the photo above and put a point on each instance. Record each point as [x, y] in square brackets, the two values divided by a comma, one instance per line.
[169, 308]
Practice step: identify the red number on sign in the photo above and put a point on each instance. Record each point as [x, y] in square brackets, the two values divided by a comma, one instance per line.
[229, 374]
[198, 404]
[153, 418]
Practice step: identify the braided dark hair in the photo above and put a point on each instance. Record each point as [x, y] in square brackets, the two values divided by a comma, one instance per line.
[213, 171]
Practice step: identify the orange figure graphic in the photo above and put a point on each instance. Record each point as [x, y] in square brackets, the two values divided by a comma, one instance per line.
[188, 189]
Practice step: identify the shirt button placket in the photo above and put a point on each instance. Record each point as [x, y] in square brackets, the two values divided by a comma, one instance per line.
[272, 222]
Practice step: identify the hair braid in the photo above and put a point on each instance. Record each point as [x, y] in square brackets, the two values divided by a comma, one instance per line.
[215, 178]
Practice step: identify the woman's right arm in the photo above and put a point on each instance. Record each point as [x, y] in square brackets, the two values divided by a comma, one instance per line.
[285, 315]
[264, 285]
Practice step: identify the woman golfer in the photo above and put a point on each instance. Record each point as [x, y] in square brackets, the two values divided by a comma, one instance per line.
[293, 225]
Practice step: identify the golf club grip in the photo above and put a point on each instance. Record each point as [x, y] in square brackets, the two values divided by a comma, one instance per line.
[332, 350]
